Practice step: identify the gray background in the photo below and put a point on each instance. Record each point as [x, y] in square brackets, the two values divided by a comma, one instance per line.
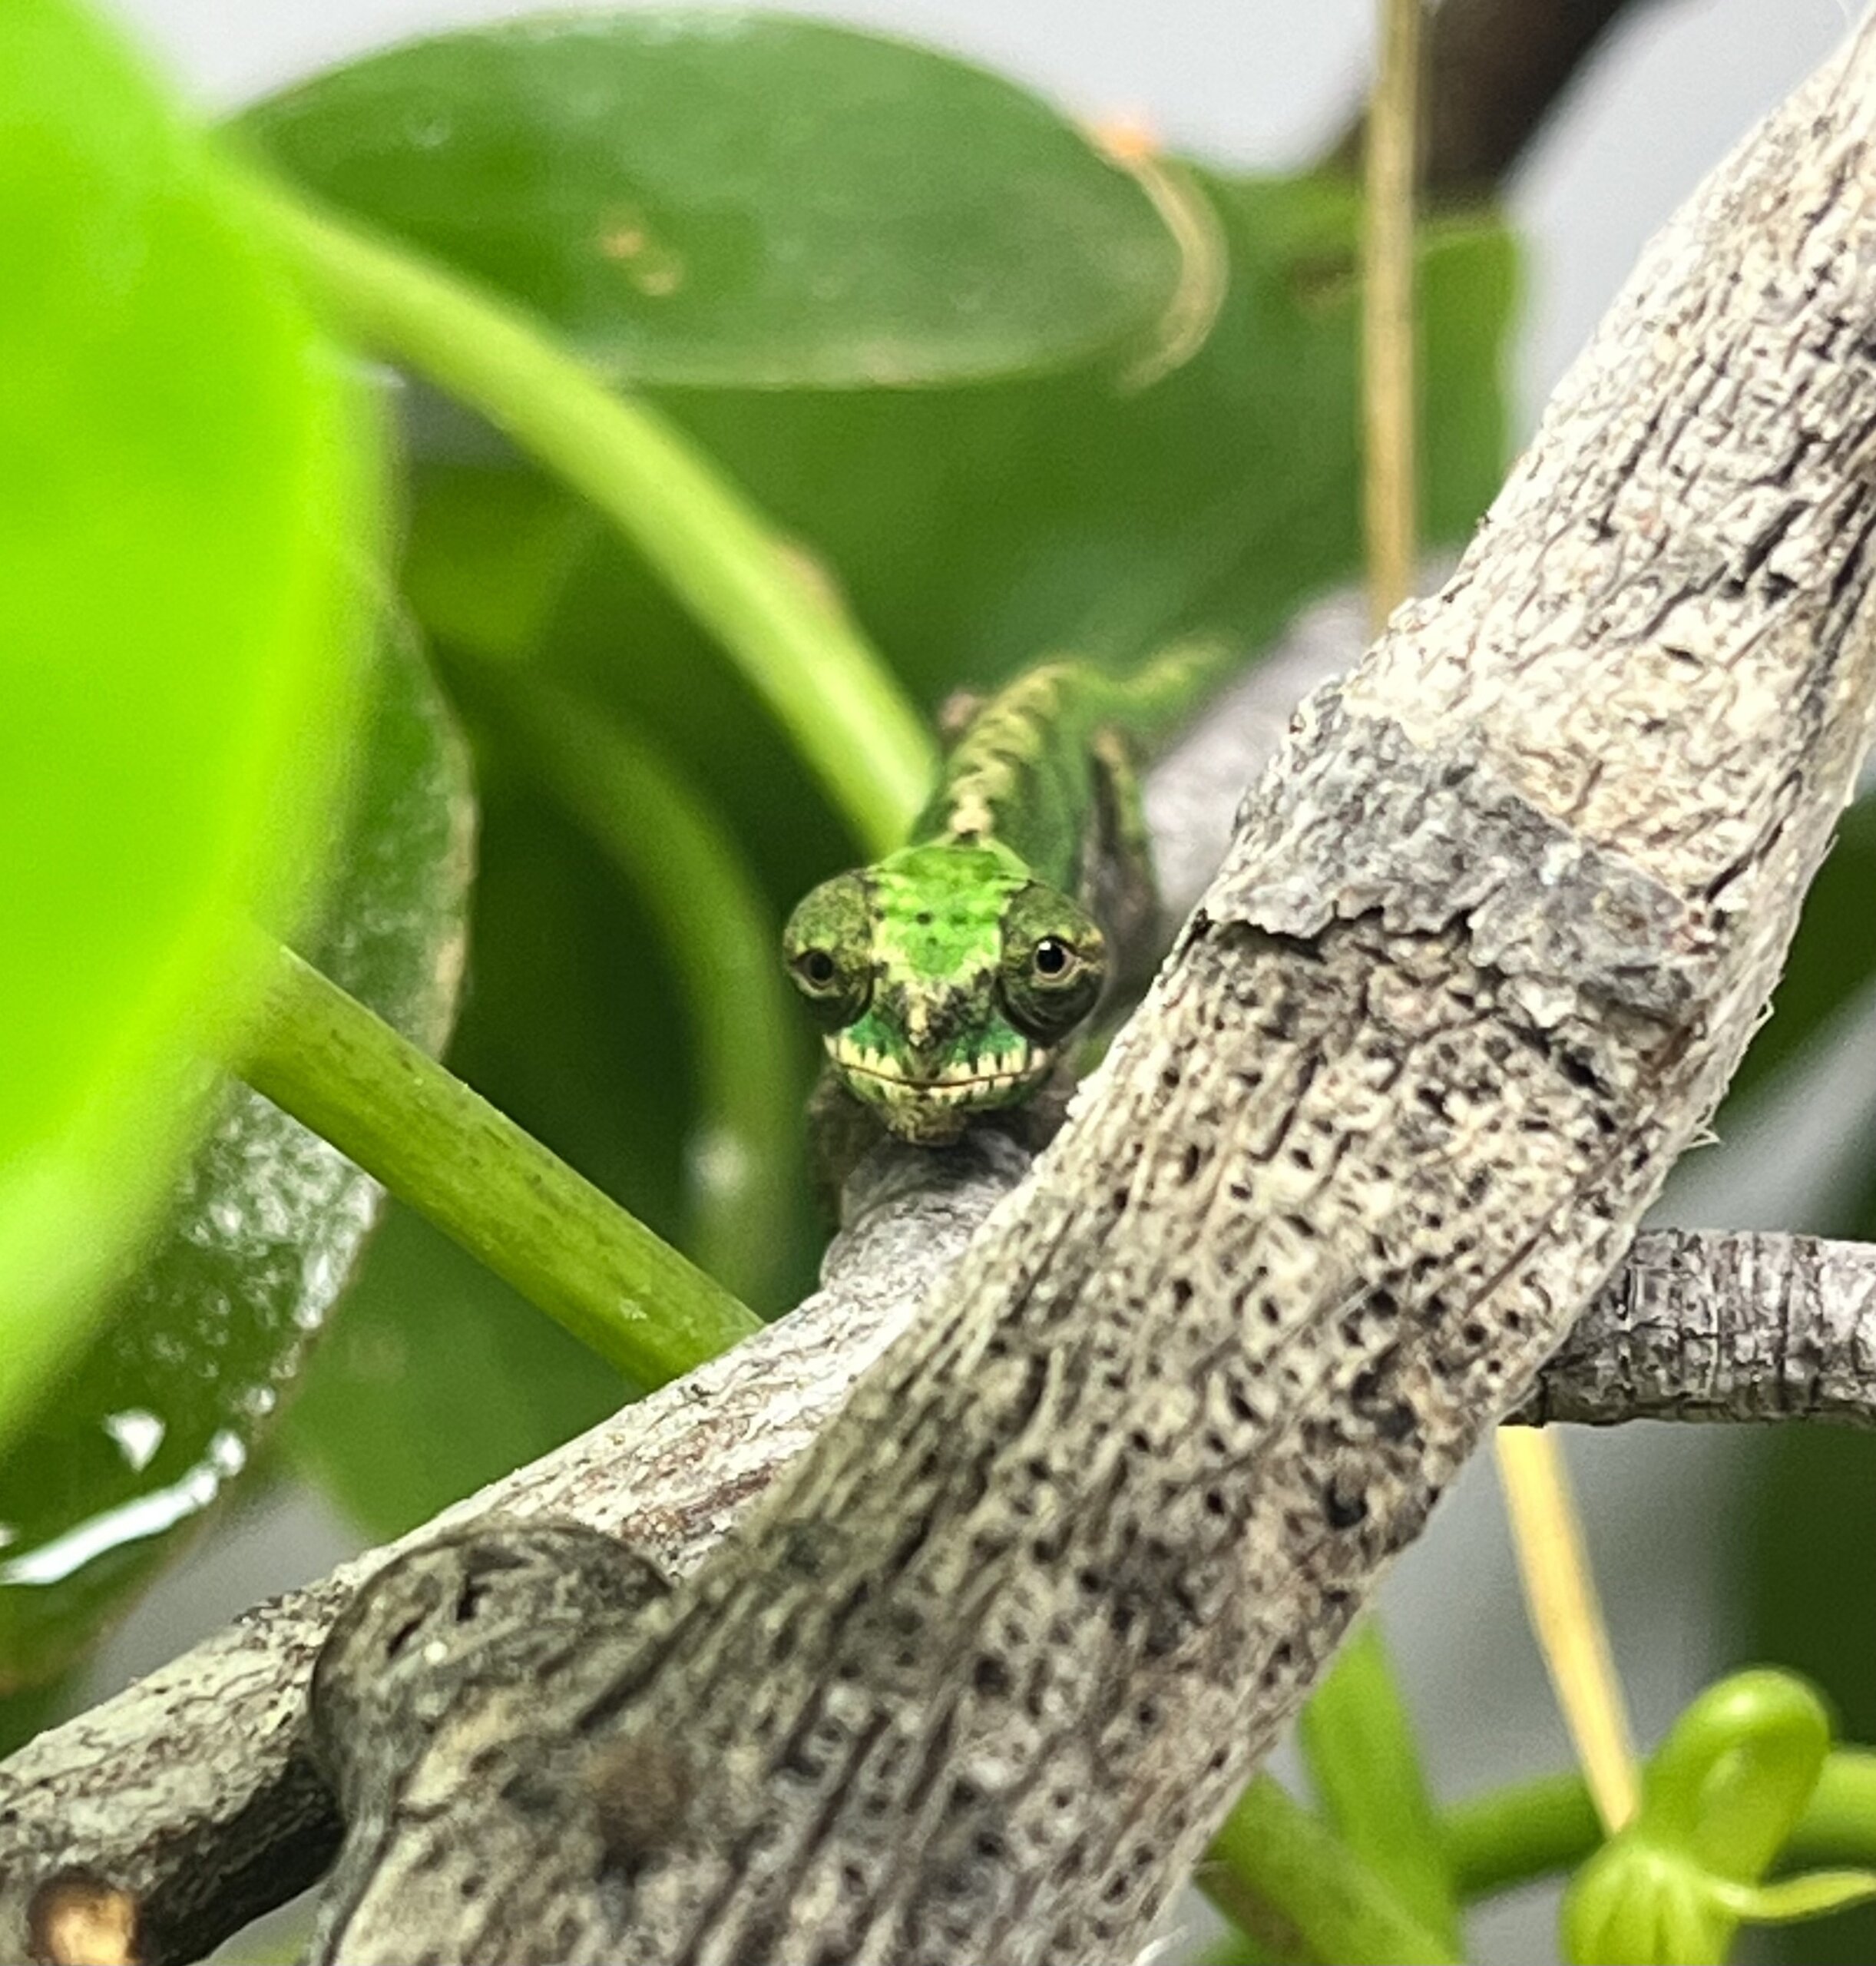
[1265, 82]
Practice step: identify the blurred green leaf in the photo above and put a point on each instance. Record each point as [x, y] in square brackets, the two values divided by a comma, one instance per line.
[494, 554]
[1809, 1501]
[1808, 1600]
[171, 1403]
[1721, 1797]
[186, 486]
[742, 199]
[975, 530]
[719, 939]
[437, 1377]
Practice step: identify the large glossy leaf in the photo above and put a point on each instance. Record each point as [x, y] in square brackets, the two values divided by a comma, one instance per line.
[975, 529]
[186, 485]
[743, 199]
[171, 1402]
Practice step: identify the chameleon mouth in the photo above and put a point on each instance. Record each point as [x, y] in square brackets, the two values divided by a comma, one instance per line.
[988, 1080]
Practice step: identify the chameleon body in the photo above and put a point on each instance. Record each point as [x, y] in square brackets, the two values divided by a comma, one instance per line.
[948, 977]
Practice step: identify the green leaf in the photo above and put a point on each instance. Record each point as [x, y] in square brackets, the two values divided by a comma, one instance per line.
[1792, 1898]
[186, 486]
[1365, 1764]
[1720, 1798]
[436, 1378]
[1806, 1495]
[741, 199]
[171, 1403]
[1805, 1511]
[661, 835]
[973, 530]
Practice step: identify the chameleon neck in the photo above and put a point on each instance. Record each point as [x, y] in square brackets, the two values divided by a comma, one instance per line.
[1025, 772]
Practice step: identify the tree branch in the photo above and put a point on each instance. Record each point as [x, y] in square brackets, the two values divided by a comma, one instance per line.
[192, 1788]
[192, 1785]
[980, 1676]
[1700, 1326]
[1599, 768]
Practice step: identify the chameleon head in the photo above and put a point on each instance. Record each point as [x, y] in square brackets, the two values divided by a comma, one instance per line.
[944, 979]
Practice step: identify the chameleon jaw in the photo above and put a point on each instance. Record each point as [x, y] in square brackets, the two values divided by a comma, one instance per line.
[933, 1111]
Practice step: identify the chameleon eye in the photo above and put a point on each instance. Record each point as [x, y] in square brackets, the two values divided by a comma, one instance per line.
[1053, 962]
[816, 968]
[828, 947]
[1052, 958]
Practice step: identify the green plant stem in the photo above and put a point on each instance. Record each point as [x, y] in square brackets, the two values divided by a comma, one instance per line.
[1302, 1894]
[773, 612]
[1839, 1823]
[1531, 1829]
[1510, 1835]
[1365, 1766]
[323, 1058]
[712, 922]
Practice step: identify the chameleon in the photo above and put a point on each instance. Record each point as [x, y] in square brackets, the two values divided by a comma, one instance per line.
[949, 978]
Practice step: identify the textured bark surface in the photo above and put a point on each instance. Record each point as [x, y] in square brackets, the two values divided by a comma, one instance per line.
[979, 1677]
[1707, 1327]
[192, 1788]
[977, 1681]
[466, 1827]
[195, 1785]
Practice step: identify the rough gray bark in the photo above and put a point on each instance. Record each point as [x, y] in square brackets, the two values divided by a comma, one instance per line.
[1639, 700]
[1707, 1327]
[194, 1788]
[979, 1675]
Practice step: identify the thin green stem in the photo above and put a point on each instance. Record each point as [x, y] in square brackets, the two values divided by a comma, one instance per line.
[1365, 1766]
[1838, 1825]
[434, 1143]
[1302, 1894]
[712, 923]
[774, 613]
[1512, 1835]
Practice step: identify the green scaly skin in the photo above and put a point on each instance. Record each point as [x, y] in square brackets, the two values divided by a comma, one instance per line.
[948, 977]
